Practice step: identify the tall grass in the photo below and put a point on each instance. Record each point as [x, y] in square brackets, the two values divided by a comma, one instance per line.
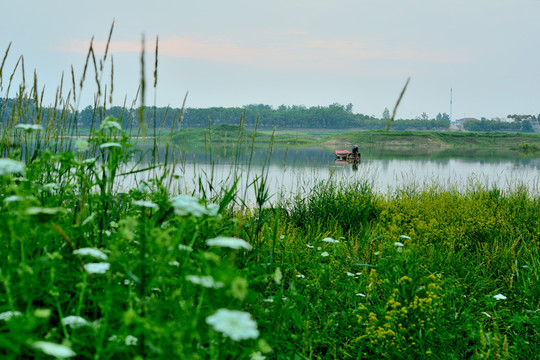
[92, 266]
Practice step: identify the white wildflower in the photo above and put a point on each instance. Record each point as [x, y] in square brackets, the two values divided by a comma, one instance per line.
[499, 297]
[325, 254]
[238, 325]
[230, 242]
[13, 198]
[206, 281]
[98, 254]
[7, 315]
[269, 300]
[10, 166]
[185, 247]
[398, 244]
[174, 263]
[110, 145]
[310, 246]
[97, 268]
[90, 160]
[350, 274]
[300, 276]
[145, 203]
[74, 321]
[330, 240]
[185, 205]
[485, 313]
[405, 237]
[212, 209]
[131, 340]
[282, 237]
[58, 351]
[361, 295]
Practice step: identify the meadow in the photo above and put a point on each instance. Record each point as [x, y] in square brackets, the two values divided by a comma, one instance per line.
[92, 269]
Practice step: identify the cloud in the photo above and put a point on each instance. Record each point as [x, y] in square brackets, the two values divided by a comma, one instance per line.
[305, 54]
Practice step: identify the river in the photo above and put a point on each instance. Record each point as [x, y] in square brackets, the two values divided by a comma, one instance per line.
[288, 172]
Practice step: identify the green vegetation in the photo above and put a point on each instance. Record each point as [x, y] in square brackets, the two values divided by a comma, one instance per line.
[433, 140]
[340, 273]
[335, 116]
[95, 265]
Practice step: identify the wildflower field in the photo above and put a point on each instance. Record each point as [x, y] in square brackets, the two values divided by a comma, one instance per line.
[91, 268]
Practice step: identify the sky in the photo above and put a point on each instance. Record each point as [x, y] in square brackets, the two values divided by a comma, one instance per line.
[292, 52]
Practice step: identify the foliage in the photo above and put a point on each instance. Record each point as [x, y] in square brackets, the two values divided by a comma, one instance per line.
[491, 125]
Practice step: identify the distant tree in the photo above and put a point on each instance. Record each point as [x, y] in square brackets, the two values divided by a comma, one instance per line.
[526, 126]
[386, 114]
[349, 108]
[443, 116]
[423, 117]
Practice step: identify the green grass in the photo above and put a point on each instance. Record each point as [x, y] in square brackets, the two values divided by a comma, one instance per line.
[434, 139]
[103, 271]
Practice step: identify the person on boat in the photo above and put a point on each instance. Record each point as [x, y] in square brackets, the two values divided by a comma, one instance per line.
[355, 150]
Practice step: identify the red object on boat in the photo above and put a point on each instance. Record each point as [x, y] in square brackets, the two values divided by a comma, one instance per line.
[346, 155]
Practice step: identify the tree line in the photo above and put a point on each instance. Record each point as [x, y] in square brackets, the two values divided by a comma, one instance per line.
[334, 116]
[485, 125]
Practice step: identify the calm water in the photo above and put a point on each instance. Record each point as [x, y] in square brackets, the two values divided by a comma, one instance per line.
[291, 171]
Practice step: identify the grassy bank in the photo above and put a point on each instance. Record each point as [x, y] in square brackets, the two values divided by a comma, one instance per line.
[467, 140]
[371, 143]
[340, 273]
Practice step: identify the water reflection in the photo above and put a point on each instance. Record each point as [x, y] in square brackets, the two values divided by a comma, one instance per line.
[295, 171]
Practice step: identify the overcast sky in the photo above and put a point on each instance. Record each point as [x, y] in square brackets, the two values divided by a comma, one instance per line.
[292, 52]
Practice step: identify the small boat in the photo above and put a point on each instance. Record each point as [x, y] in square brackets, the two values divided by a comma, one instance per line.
[345, 155]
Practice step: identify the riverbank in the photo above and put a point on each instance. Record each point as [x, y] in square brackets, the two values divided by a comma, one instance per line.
[392, 139]
[372, 143]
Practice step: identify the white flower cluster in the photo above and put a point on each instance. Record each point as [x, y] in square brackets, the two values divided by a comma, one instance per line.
[7, 315]
[56, 350]
[145, 203]
[94, 268]
[98, 254]
[110, 145]
[185, 205]
[74, 321]
[238, 325]
[230, 242]
[206, 281]
[10, 166]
